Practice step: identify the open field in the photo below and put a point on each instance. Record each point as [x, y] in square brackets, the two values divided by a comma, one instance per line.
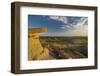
[65, 47]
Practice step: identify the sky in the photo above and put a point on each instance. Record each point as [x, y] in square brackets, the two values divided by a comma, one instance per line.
[59, 25]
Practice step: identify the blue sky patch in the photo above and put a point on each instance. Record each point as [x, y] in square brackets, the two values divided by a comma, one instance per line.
[59, 25]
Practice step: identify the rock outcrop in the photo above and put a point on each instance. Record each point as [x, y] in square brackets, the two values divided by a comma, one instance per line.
[35, 50]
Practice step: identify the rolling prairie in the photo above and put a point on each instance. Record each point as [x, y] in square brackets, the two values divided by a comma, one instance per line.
[65, 47]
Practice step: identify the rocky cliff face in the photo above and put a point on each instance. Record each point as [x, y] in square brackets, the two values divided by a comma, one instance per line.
[35, 50]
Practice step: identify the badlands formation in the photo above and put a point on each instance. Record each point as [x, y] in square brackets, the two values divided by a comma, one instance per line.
[35, 49]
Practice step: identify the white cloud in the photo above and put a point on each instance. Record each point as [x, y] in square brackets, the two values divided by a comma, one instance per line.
[79, 29]
[81, 22]
[59, 18]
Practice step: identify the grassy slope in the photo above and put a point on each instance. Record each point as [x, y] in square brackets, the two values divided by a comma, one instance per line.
[73, 47]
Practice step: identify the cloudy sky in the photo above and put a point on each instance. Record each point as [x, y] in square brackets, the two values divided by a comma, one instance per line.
[59, 25]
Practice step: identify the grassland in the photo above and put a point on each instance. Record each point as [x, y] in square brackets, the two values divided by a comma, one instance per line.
[66, 47]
